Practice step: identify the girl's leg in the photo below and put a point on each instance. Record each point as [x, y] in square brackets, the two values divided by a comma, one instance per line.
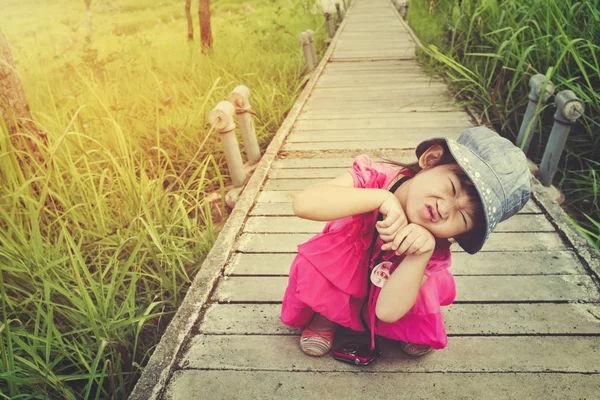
[317, 337]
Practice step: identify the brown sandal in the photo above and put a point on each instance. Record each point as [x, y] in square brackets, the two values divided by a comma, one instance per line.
[414, 349]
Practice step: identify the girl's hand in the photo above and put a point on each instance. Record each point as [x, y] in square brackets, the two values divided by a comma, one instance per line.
[412, 239]
[394, 219]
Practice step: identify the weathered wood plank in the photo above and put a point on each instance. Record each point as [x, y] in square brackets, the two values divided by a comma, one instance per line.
[369, 58]
[390, 65]
[288, 197]
[292, 184]
[388, 95]
[390, 85]
[405, 119]
[365, 107]
[463, 354]
[331, 132]
[498, 241]
[342, 114]
[366, 146]
[337, 162]
[377, 82]
[211, 384]
[459, 319]
[308, 173]
[484, 263]
[518, 223]
[524, 288]
[409, 104]
[402, 125]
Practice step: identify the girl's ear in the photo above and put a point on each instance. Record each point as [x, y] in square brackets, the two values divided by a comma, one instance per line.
[431, 157]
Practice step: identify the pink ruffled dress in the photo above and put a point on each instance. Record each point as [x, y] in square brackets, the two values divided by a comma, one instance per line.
[330, 273]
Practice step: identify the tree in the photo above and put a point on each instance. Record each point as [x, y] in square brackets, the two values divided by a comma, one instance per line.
[188, 14]
[14, 107]
[88, 7]
[204, 21]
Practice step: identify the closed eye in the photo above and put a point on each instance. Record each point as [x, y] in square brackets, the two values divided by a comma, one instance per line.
[454, 193]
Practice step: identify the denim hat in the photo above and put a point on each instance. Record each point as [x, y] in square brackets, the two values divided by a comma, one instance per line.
[499, 172]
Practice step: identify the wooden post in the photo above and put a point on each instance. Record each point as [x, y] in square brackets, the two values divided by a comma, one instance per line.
[311, 46]
[338, 9]
[240, 97]
[303, 38]
[345, 7]
[222, 119]
[528, 124]
[330, 28]
[568, 109]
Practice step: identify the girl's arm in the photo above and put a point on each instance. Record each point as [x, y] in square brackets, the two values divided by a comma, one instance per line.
[399, 293]
[337, 198]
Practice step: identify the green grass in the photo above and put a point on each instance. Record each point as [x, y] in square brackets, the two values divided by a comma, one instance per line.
[489, 49]
[99, 246]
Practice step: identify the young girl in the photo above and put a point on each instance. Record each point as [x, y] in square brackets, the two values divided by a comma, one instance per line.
[392, 274]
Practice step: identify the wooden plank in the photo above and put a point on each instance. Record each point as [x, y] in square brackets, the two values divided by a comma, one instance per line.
[288, 197]
[406, 119]
[459, 319]
[291, 184]
[463, 354]
[498, 241]
[337, 162]
[343, 114]
[403, 124]
[308, 173]
[341, 131]
[352, 146]
[428, 103]
[272, 209]
[524, 288]
[518, 223]
[286, 209]
[381, 95]
[344, 161]
[376, 82]
[370, 57]
[215, 384]
[483, 263]
[381, 66]
[389, 86]
[380, 77]
[359, 49]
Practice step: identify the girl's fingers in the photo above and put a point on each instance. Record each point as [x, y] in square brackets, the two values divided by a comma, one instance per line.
[427, 246]
[400, 237]
[416, 246]
[406, 244]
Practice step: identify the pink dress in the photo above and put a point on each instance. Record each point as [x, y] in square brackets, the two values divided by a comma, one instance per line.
[329, 274]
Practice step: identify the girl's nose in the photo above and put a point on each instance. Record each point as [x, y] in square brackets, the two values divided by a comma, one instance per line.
[443, 208]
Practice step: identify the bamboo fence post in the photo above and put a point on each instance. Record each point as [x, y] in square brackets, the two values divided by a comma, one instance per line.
[222, 119]
[240, 97]
[311, 47]
[530, 119]
[568, 109]
[330, 28]
[338, 9]
[303, 38]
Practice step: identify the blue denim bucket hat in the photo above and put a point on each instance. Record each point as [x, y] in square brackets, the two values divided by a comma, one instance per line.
[499, 172]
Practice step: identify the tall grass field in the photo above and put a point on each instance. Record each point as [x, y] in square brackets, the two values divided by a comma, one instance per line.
[490, 48]
[98, 246]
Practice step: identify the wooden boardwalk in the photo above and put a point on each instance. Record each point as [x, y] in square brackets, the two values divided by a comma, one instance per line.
[526, 321]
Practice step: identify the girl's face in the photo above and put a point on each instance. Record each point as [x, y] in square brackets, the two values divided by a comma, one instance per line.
[436, 200]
